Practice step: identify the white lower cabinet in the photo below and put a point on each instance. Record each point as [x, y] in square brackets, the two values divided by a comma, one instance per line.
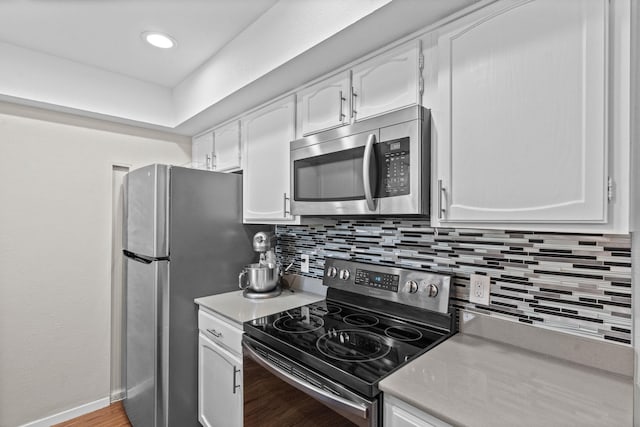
[219, 385]
[400, 414]
[219, 373]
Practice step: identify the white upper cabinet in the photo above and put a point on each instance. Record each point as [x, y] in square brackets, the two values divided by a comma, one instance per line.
[387, 82]
[325, 105]
[266, 135]
[202, 151]
[383, 83]
[522, 121]
[227, 147]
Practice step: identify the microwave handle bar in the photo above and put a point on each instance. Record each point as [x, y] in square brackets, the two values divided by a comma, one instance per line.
[366, 164]
[326, 397]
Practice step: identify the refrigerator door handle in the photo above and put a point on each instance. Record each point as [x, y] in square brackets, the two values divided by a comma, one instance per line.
[143, 258]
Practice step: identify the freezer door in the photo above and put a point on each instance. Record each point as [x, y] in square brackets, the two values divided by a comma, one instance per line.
[146, 325]
[146, 210]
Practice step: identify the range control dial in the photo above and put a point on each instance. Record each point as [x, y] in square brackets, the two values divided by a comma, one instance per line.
[344, 274]
[412, 286]
[332, 272]
[432, 290]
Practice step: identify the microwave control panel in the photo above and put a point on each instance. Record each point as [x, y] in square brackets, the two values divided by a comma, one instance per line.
[394, 171]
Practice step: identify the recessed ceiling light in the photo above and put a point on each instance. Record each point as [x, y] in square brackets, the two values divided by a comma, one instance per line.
[163, 41]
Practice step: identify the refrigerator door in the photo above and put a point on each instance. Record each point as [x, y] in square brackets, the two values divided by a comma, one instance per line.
[146, 289]
[209, 247]
[146, 210]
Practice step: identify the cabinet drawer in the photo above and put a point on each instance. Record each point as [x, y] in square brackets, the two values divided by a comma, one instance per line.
[220, 331]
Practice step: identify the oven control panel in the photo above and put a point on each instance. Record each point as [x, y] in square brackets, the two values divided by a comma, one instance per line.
[374, 279]
[417, 288]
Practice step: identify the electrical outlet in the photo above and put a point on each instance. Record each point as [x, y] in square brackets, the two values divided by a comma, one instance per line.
[304, 263]
[479, 289]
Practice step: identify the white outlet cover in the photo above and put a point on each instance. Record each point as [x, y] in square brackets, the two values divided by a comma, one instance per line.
[304, 264]
[479, 289]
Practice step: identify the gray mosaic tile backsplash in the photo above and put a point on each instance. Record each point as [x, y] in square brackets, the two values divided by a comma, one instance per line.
[577, 283]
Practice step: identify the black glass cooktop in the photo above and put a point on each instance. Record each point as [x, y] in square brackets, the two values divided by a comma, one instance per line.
[352, 346]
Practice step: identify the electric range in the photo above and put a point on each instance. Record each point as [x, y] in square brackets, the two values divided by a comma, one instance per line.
[374, 320]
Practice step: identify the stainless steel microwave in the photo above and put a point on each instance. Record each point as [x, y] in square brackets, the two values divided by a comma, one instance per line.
[378, 166]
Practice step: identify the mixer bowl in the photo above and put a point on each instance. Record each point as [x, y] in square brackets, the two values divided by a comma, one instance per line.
[259, 278]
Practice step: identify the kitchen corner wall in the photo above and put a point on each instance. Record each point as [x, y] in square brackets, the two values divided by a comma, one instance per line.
[575, 283]
[55, 254]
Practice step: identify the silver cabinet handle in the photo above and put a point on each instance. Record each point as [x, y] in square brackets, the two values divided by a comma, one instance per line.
[235, 384]
[208, 164]
[340, 112]
[441, 209]
[215, 333]
[284, 208]
[354, 95]
[366, 179]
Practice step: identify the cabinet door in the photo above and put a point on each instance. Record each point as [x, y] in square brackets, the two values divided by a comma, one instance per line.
[325, 104]
[227, 147]
[522, 135]
[387, 82]
[219, 386]
[266, 136]
[400, 414]
[202, 151]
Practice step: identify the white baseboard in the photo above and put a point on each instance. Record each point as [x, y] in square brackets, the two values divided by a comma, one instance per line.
[69, 414]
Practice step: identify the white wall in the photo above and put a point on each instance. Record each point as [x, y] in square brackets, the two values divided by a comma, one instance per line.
[72, 85]
[55, 254]
[285, 31]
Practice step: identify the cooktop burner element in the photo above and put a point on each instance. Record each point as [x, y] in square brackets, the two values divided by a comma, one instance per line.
[365, 329]
[333, 309]
[297, 324]
[361, 319]
[403, 333]
[352, 345]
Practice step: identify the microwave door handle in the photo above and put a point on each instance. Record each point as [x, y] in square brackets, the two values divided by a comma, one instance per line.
[366, 179]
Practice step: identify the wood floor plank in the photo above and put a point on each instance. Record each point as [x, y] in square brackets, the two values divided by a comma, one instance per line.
[111, 416]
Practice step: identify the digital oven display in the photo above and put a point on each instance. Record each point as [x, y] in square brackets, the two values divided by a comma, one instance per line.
[374, 279]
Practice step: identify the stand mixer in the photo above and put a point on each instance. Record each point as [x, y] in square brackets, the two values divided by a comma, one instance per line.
[261, 280]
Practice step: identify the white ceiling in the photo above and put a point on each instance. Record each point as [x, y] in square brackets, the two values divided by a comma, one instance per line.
[86, 57]
[106, 33]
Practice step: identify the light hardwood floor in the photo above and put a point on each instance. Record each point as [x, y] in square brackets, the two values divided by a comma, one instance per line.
[111, 416]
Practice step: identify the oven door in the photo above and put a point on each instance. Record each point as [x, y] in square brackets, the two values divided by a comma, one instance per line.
[336, 177]
[279, 391]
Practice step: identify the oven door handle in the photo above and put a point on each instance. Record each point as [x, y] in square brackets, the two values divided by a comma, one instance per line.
[324, 396]
[366, 165]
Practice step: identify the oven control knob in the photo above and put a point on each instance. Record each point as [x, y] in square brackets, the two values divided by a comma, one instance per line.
[413, 286]
[344, 274]
[332, 272]
[432, 290]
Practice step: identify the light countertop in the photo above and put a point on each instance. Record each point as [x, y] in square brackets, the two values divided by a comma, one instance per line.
[239, 309]
[473, 381]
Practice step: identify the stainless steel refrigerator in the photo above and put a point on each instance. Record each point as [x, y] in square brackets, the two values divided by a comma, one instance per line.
[183, 239]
